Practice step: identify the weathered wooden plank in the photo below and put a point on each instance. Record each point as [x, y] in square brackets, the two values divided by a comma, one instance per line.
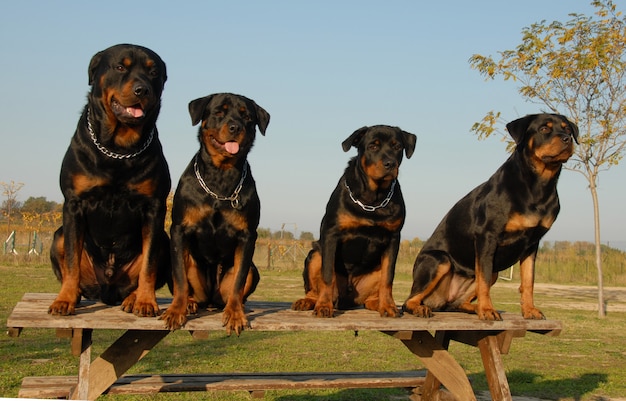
[32, 310]
[505, 338]
[47, 386]
[494, 369]
[81, 391]
[431, 390]
[59, 386]
[119, 357]
[441, 364]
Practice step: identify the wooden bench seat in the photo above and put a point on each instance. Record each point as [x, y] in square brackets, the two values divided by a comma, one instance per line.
[255, 383]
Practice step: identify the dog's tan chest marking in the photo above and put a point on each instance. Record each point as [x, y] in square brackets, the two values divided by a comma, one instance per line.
[235, 219]
[346, 221]
[83, 182]
[194, 215]
[391, 225]
[147, 187]
[521, 222]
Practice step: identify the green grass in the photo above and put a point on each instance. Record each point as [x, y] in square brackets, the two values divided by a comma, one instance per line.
[585, 363]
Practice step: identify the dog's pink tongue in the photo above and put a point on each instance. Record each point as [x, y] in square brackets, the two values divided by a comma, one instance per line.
[134, 111]
[231, 147]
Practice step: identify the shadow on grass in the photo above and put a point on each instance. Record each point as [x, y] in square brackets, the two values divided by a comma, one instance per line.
[522, 383]
[351, 395]
[533, 385]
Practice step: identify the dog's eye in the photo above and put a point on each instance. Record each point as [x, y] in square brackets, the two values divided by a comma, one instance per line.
[120, 68]
[154, 73]
[545, 130]
[219, 113]
[373, 146]
[243, 112]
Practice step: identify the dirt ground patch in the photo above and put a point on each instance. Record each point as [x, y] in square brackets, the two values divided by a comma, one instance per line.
[577, 297]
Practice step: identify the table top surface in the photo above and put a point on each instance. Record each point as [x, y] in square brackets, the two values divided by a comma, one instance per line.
[32, 312]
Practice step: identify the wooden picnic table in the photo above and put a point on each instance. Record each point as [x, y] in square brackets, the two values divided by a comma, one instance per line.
[428, 339]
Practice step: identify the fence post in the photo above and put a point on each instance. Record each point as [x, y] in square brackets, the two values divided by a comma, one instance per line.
[33, 244]
[10, 242]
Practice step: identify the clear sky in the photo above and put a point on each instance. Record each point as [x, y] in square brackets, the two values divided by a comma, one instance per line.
[322, 69]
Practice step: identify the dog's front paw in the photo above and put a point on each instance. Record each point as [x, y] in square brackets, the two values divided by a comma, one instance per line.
[418, 310]
[142, 308]
[303, 304]
[174, 319]
[62, 308]
[488, 314]
[386, 309]
[192, 306]
[532, 313]
[323, 309]
[389, 311]
[415, 307]
[234, 319]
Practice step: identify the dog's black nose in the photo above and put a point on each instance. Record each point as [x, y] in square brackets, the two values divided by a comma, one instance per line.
[140, 90]
[389, 164]
[233, 128]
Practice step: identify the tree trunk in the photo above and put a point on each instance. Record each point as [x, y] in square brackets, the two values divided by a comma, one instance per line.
[596, 221]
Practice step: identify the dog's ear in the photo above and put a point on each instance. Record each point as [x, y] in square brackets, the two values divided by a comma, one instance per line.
[163, 72]
[517, 128]
[262, 117]
[93, 67]
[354, 139]
[197, 108]
[408, 141]
[572, 126]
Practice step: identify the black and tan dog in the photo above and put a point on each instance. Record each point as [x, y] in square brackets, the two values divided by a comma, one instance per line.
[496, 225]
[216, 213]
[112, 245]
[353, 263]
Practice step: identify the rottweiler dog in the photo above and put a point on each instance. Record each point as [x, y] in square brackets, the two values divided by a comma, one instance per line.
[353, 263]
[216, 212]
[496, 225]
[112, 245]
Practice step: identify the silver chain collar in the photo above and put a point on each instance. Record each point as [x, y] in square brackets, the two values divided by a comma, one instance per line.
[234, 198]
[369, 208]
[113, 155]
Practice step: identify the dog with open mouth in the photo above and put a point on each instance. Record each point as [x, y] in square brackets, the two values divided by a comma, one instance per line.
[112, 245]
[216, 212]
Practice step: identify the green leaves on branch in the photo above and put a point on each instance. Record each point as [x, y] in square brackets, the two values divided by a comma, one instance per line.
[576, 68]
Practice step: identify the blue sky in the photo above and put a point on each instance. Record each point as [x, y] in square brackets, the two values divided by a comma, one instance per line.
[321, 69]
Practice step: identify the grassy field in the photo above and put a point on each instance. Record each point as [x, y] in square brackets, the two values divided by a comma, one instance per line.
[586, 362]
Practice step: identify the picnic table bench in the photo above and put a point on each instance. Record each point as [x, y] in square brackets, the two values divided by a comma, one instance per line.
[428, 339]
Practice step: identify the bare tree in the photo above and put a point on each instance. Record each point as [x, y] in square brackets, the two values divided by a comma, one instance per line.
[10, 193]
[575, 68]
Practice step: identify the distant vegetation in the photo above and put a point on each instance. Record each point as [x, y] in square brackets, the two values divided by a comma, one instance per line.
[560, 262]
[35, 220]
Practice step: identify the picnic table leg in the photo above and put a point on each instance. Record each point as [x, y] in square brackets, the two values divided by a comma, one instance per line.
[432, 385]
[81, 343]
[119, 357]
[494, 368]
[444, 368]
